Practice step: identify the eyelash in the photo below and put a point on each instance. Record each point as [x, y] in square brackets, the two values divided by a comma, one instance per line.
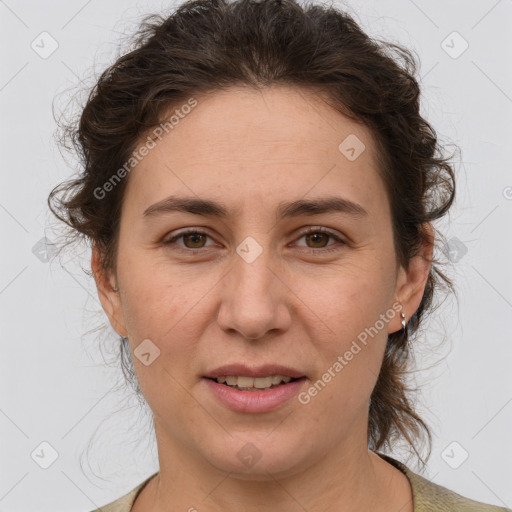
[310, 230]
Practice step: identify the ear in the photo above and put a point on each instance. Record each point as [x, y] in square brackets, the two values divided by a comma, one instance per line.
[110, 298]
[411, 282]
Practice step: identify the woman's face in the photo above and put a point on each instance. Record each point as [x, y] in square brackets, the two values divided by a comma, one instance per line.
[253, 289]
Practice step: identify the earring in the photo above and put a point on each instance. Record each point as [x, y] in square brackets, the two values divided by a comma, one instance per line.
[116, 289]
[404, 322]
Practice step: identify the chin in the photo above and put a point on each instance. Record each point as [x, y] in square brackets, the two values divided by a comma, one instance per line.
[260, 457]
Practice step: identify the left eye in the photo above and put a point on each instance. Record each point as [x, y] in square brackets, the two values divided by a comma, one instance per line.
[319, 236]
[196, 239]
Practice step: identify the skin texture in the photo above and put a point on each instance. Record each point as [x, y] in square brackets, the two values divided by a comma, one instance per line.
[296, 304]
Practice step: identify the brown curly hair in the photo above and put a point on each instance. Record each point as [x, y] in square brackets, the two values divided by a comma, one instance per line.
[209, 45]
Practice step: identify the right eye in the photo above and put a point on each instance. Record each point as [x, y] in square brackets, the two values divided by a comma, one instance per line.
[193, 239]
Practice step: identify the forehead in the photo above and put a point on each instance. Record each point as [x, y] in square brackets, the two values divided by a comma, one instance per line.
[240, 143]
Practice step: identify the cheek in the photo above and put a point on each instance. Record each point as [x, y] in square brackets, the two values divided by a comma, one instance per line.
[165, 312]
[156, 296]
[350, 329]
[346, 300]
[167, 306]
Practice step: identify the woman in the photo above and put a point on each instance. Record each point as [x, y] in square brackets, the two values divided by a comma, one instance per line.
[259, 190]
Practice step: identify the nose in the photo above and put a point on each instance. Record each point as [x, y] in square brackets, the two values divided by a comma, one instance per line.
[254, 299]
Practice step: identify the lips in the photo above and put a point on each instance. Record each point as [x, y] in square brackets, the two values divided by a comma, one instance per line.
[249, 399]
[255, 401]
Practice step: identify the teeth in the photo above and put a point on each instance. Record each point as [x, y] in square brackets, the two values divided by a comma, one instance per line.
[250, 382]
[262, 382]
[245, 382]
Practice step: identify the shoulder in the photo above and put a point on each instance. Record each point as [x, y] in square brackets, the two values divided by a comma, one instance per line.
[430, 497]
[124, 503]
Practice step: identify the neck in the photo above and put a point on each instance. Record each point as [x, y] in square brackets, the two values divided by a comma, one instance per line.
[350, 478]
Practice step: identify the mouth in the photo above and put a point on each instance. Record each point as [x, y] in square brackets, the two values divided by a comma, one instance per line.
[260, 389]
[243, 383]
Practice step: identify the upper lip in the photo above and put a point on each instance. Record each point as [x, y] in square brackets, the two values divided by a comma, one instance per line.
[242, 370]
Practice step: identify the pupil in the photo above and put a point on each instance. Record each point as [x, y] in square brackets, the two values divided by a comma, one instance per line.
[316, 235]
[195, 235]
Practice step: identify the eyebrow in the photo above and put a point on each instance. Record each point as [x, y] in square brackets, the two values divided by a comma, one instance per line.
[210, 208]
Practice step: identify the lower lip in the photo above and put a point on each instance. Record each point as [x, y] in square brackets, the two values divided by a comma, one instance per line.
[255, 401]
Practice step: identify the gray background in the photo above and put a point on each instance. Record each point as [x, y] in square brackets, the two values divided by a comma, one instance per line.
[58, 380]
